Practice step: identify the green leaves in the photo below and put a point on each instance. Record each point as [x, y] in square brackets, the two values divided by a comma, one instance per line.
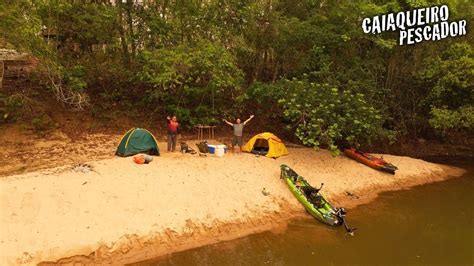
[11, 107]
[444, 120]
[74, 78]
[325, 117]
[204, 59]
[450, 78]
[19, 26]
[198, 77]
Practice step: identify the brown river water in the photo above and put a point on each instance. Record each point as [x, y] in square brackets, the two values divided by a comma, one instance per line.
[426, 225]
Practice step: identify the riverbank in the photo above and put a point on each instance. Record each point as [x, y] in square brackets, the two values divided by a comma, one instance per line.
[24, 151]
[122, 212]
[403, 226]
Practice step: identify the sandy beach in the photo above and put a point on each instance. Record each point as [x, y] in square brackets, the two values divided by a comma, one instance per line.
[122, 212]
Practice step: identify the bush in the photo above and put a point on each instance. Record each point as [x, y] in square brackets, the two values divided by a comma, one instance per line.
[322, 115]
[444, 120]
[74, 78]
[451, 89]
[42, 123]
[11, 107]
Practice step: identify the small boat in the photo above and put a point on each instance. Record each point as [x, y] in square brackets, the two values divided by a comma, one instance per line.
[314, 203]
[370, 160]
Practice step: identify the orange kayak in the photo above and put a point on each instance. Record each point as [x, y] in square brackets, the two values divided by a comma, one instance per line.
[370, 160]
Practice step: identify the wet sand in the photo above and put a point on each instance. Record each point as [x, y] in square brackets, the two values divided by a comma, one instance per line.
[123, 212]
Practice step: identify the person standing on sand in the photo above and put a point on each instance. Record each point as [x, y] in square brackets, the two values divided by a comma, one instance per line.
[238, 130]
[173, 131]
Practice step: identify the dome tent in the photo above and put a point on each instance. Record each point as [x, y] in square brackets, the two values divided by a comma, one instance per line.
[266, 144]
[137, 140]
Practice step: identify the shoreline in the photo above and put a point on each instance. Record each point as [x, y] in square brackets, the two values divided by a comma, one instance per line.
[237, 209]
[133, 249]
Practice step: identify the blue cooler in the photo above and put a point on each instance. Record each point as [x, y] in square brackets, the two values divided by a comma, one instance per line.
[212, 148]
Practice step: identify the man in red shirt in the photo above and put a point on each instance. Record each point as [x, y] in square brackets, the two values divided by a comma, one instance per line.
[173, 131]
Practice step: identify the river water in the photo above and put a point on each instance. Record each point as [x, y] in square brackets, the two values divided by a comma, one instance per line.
[426, 225]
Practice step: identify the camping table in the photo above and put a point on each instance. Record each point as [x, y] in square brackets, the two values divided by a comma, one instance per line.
[201, 128]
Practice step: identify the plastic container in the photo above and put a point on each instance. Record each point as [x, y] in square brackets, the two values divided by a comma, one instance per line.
[212, 148]
[224, 147]
[220, 150]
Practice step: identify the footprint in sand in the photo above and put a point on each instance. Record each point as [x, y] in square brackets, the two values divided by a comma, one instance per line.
[29, 207]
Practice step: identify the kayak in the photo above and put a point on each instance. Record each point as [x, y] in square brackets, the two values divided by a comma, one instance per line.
[370, 160]
[324, 211]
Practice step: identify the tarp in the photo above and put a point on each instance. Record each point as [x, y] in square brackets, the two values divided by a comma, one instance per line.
[137, 140]
[276, 147]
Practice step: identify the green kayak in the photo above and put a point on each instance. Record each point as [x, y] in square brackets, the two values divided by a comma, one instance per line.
[312, 200]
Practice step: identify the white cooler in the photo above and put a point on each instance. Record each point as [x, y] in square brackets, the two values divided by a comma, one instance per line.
[220, 150]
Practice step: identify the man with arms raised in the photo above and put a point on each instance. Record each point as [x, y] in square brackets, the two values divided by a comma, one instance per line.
[238, 130]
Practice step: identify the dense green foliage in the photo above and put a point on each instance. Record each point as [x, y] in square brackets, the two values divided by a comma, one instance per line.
[194, 83]
[10, 106]
[306, 63]
[324, 115]
[451, 93]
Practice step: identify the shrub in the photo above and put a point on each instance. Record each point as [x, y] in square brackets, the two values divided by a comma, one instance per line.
[322, 115]
[444, 120]
[11, 107]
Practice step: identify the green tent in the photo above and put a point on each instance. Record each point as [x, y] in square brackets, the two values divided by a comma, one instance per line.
[137, 140]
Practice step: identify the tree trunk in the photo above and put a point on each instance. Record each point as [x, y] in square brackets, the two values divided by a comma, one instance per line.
[123, 38]
[130, 26]
[3, 72]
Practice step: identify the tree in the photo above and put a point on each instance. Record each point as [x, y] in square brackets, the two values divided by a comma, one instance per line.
[450, 81]
[323, 115]
[195, 82]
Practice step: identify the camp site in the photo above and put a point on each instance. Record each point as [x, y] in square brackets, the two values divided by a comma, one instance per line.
[143, 132]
